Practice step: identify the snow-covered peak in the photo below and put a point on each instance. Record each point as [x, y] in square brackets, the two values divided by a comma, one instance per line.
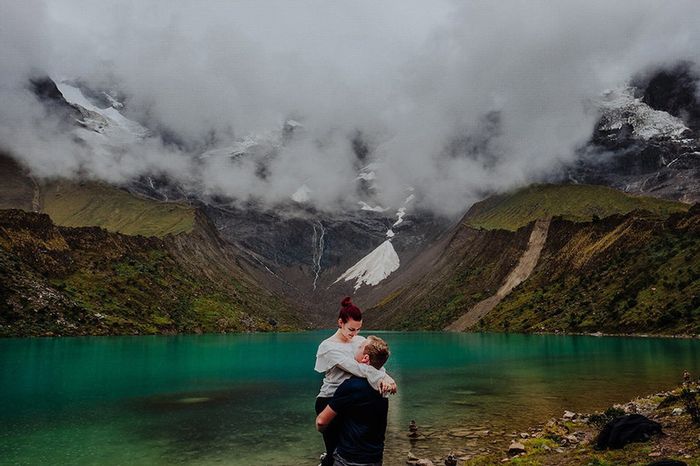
[620, 107]
[374, 267]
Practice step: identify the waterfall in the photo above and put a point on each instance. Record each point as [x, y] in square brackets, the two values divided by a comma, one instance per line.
[317, 243]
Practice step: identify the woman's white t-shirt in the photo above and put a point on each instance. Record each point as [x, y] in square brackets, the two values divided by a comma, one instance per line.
[337, 361]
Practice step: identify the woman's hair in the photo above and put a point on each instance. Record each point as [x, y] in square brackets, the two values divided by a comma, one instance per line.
[349, 311]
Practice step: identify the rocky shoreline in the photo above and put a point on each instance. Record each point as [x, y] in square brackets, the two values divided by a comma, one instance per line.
[571, 439]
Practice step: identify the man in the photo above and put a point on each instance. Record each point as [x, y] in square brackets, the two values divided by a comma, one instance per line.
[361, 411]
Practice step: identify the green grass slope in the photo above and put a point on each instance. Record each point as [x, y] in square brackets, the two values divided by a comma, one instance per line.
[93, 204]
[580, 203]
[85, 204]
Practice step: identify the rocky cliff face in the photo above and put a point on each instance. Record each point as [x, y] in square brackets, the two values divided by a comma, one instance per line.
[302, 254]
[646, 141]
[85, 281]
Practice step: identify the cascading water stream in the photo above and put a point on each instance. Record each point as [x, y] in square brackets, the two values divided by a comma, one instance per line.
[317, 241]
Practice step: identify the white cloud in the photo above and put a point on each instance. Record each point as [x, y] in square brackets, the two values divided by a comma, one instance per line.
[412, 76]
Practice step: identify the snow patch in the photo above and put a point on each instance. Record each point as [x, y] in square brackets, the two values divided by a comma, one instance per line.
[390, 233]
[106, 121]
[374, 267]
[245, 145]
[366, 176]
[301, 195]
[400, 214]
[365, 206]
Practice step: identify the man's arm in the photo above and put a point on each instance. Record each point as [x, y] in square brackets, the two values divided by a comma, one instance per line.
[325, 418]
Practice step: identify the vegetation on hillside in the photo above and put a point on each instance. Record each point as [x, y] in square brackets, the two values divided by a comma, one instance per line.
[575, 202]
[87, 281]
[622, 275]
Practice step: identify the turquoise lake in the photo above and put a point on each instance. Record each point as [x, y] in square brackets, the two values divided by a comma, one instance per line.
[248, 399]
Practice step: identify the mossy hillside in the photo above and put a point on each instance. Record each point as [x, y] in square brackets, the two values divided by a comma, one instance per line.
[625, 275]
[94, 204]
[96, 283]
[581, 203]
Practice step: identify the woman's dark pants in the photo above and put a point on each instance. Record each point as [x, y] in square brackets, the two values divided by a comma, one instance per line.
[330, 435]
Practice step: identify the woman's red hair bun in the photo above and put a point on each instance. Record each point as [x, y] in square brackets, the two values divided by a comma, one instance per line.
[347, 301]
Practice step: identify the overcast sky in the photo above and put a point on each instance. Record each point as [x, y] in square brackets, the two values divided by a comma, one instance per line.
[414, 77]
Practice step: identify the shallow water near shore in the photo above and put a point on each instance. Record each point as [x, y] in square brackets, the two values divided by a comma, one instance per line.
[248, 399]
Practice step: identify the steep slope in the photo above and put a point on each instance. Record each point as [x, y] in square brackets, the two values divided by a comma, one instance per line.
[519, 274]
[84, 281]
[626, 273]
[474, 263]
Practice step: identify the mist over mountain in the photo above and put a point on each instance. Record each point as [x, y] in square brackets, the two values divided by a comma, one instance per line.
[449, 99]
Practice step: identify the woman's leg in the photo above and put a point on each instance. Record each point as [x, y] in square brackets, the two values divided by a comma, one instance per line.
[330, 435]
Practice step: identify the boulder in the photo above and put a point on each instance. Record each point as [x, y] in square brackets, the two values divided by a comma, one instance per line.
[516, 448]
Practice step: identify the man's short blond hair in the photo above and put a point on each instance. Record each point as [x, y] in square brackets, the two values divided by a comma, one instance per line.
[377, 350]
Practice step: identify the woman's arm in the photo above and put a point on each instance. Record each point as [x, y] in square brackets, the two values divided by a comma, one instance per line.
[377, 378]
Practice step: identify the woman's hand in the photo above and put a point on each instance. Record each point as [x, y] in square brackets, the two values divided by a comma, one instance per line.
[387, 385]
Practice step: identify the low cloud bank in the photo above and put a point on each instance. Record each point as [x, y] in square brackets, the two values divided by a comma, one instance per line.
[453, 99]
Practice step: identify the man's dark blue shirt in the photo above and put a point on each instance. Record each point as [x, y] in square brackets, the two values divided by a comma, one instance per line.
[362, 413]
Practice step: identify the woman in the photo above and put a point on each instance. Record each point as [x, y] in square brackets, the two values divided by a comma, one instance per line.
[336, 358]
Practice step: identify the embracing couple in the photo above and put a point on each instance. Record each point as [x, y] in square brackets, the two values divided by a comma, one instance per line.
[351, 407]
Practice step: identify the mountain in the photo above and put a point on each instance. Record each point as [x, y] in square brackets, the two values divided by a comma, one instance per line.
[293, 249]
[647, 138]
[414, 268]
[475, 277]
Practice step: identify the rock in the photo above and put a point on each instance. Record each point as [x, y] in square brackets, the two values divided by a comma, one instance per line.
[559, 450]
[568, 415]
[412, 457]
[677, 411]
[516, 448]
[424, 462]
[524, 435]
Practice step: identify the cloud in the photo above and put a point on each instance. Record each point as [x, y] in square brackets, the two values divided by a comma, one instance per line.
[418, 80]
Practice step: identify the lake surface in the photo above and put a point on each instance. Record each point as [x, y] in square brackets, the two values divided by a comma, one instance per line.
[248, 399]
